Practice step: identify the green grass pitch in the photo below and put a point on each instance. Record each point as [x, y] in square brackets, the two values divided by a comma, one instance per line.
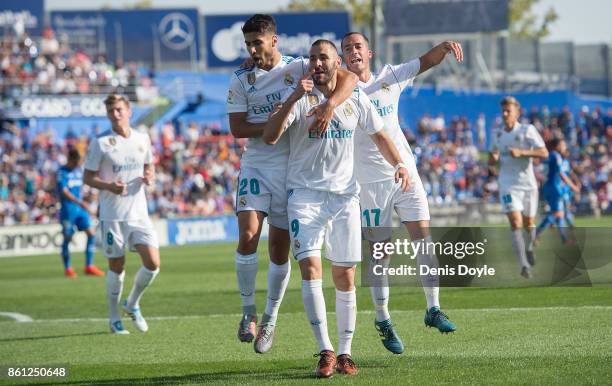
[505, 336]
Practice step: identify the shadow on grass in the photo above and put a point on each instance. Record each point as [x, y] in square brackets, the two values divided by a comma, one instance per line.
[52, 336]
[278, 372]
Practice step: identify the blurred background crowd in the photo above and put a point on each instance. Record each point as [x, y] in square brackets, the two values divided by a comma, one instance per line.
[197, 165]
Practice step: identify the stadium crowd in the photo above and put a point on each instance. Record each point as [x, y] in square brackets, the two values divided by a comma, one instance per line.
[197, 166]
[49, 66]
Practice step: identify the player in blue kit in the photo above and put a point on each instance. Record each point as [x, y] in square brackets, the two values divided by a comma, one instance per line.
[568, 194]
[555, 188]
[74, 212]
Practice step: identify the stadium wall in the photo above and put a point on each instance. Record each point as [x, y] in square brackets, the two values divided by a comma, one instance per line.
[27, 240]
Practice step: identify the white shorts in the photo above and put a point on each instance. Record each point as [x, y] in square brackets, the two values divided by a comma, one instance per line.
[115, 234]
[319, 218]
[263, 190]
[515, 200]
[379, 199]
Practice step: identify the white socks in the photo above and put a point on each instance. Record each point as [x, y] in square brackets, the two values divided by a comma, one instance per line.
[246, 271]
[380, 297]
[430, 283]
[518, 244]
[278, 278]
[144, 277]
[314, 305]
[346, 314]
[114, 287]
[531, 235]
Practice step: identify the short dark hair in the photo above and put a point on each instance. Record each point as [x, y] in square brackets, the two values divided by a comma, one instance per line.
[354, 33]
[553, 143]
[324, 41]
[73, 154]
[260, 23]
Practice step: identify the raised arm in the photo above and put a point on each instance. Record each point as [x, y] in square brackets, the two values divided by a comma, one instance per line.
[436, 55]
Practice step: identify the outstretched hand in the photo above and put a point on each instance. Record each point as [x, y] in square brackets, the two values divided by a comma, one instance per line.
[455, 48]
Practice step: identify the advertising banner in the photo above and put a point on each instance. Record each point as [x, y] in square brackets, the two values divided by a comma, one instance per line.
[23, 15]
[296, 32]
[150, 36]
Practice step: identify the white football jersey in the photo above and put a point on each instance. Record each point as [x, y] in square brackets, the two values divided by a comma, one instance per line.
[116, 158]
[327, 163]
[517, 173]
[255, 91]
[384, 90]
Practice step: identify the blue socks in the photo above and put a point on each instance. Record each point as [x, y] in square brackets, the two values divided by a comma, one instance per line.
[549, 219]
[89, 250]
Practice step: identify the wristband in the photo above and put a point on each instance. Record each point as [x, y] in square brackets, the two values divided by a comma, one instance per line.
[399, 165]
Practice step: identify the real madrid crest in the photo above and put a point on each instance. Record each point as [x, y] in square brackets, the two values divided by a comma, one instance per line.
[385, 87]
[251, 78]
[230, 97]
[243, 201]
[313, 99]
[348, 110]
[288, 79]
[112, 141]
[296, 243]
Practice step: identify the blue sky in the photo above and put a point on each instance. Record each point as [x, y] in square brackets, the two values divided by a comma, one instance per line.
[581, 21]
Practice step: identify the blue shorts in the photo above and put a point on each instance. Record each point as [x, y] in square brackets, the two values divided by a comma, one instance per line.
[80, 220]
[555, 201]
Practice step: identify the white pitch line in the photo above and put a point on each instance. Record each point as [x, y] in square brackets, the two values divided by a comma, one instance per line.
[186, 317]
[17, 316]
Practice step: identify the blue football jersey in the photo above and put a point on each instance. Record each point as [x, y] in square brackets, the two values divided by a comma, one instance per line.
[554, 183]
[73, 180]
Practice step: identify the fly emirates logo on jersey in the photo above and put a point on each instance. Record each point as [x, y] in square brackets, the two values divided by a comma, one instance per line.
[267, 108]
[130, 163]
[335, 131]
[384, 110]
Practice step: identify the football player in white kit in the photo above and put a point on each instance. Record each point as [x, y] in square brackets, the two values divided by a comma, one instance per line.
[379, 195]
[514, 147]
[119, 163]
[261, 184]
[323, 203]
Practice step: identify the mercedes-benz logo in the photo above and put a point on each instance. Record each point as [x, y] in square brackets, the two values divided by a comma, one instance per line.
[176, 31]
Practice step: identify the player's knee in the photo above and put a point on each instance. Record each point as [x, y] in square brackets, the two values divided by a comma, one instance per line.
[344, 277]
[248, 239]
[516, 224]
[310, 271]
[345, 283]
[154, 266]
[116, 265]
[279, 250]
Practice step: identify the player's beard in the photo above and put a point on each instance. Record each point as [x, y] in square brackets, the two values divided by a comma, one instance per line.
[324, 80]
